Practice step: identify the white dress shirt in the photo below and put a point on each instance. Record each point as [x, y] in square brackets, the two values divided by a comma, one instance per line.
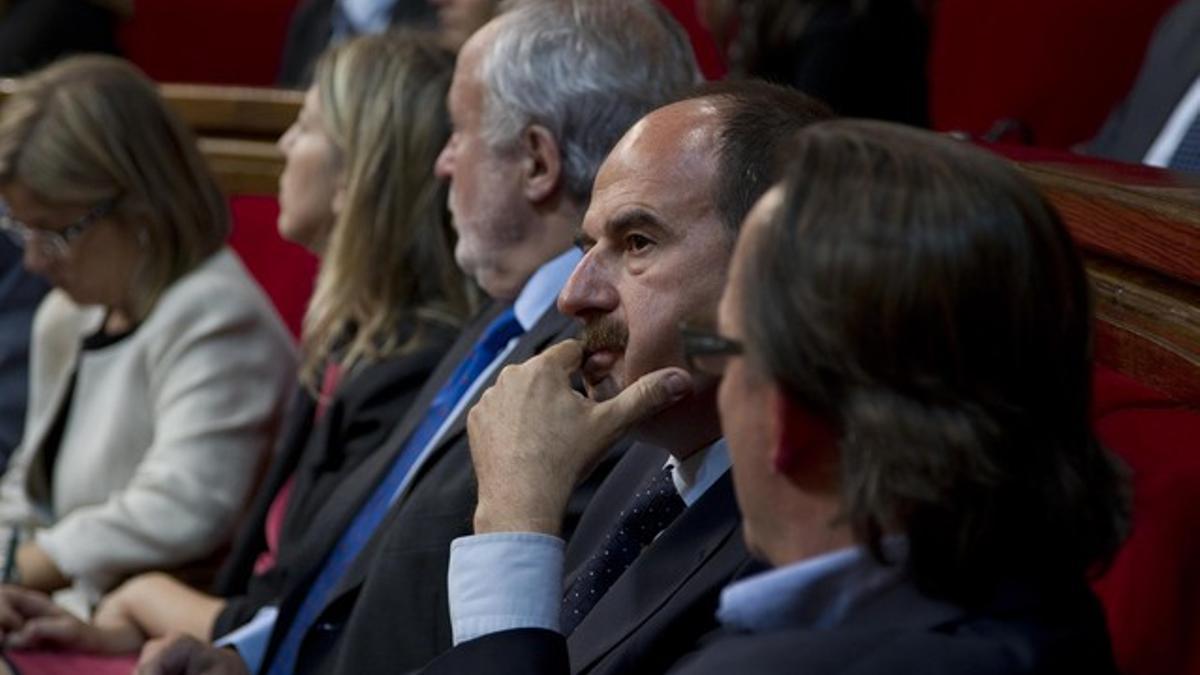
[363, 16]
[1164, 147]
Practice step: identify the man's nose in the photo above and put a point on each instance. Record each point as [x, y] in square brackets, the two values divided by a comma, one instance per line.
[589, 290]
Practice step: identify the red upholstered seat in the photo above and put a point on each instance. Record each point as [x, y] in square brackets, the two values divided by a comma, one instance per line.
[1139, 231]
[210, 41]
[1152, 592]
[284, 270]
[1057, 65]
[708, 54]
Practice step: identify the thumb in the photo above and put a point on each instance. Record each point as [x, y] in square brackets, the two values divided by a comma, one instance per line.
[566, 355]
[650, 394]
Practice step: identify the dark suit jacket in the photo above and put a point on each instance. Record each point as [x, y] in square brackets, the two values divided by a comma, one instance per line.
[1171, 65]
[909, 633]
[20, 294]
[324, 457]
[310, 30]
[389, 611]
[656, 612]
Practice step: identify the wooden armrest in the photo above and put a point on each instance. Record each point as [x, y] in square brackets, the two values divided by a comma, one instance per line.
[1141, 241]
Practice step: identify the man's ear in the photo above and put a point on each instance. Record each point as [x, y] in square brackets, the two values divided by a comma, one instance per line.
[803, 446]
[541, 165]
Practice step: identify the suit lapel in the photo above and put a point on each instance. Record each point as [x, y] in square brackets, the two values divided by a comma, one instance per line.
[355, 487]
[658, 574]
[550, 328]
[62, 352]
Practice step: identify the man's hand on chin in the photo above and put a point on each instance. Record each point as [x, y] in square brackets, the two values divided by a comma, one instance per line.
[185, 655]
[533, 437]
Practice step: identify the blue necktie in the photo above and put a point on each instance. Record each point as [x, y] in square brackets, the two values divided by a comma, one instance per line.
[1187, 153]
[497, 335]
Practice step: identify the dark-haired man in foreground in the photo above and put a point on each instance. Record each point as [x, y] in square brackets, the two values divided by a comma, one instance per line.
[925, 508]
[927, 505]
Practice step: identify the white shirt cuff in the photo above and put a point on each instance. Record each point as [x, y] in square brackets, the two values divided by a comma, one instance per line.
[251, 638]
[503, 581]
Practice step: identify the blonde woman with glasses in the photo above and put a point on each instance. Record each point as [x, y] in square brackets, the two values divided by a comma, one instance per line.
[158, 368]
[358, 189]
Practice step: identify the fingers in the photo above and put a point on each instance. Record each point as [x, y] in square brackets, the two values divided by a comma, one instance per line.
[651, 394]
[18, 604]
[567, 355]
[10, 620]
[56, 631]
[31, 603]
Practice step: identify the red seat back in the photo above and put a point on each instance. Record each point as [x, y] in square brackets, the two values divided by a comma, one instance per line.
[1139, 230]
[1058, 65]
[284, 270]
[212, 41]
[1151, 594]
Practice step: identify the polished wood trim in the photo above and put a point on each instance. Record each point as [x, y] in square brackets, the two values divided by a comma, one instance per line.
[235, 112]
[1139, 230]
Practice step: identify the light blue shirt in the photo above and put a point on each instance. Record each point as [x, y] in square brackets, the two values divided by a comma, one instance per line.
[531, 564]
[816, 593]
[536, 298]
[357, 17]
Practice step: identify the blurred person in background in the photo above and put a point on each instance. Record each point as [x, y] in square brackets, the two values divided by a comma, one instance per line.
[158, 367]
[20, 294]
[1158, 123]
[358, 190]
[36, 32]
[865, 58]
[317, 24]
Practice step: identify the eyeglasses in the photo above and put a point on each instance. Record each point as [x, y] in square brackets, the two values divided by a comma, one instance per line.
[51, 243]
[707, 352]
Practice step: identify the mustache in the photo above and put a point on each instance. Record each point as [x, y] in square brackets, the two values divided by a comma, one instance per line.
[604, 334]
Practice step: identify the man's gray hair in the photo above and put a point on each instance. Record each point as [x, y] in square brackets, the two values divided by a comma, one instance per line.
[586, 70]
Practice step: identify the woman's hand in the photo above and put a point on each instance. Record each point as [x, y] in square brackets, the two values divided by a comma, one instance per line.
[45, 625]
[11, 603]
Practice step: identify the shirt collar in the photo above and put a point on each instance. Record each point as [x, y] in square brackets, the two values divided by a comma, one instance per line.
[815, 593]
[694, 475]
[542, 289]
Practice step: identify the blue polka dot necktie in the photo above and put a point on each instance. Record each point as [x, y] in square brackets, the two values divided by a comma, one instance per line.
[654, 507]
[495, 338]
[1187, 153]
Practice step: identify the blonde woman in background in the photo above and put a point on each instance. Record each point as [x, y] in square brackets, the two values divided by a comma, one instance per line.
[358, 190]
[158, 368]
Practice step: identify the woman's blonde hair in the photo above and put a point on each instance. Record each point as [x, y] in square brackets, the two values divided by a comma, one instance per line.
[389, 254]
[89, 129]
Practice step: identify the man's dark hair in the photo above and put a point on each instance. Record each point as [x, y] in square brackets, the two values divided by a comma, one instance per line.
[925, 300]
[760, 121]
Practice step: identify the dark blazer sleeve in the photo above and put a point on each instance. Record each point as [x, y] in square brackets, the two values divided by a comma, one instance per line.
[355, 424]
[526, 651]
[20, 294]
